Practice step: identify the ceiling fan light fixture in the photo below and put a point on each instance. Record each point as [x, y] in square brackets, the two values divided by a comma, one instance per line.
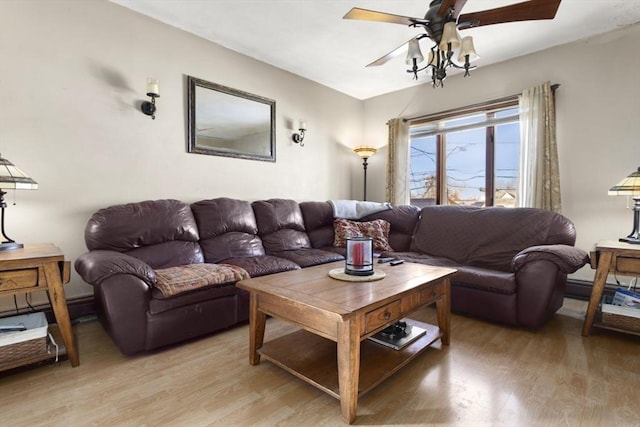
[414, 52]
[441, 24]
[467, 49]
[450, 37]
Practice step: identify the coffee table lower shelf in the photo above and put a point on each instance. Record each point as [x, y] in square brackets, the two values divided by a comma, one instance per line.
[313, 358]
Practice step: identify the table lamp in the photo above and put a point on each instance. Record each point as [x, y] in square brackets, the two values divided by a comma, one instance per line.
[630, 186]
[14, 179]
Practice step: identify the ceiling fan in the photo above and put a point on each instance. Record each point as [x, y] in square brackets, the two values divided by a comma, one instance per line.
[441, 24]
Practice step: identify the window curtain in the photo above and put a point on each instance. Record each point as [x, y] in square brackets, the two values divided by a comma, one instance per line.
[539, 177]
[398, 192]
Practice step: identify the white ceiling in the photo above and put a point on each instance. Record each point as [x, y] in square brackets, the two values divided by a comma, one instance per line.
[309, 37]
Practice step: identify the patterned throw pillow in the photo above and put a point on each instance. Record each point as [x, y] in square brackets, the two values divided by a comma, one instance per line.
[176, 280]
[377, 229]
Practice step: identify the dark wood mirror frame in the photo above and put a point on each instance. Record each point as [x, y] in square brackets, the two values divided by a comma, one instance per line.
[228, 122]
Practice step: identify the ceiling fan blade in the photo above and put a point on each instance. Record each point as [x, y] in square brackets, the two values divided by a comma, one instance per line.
[526, 11]
[446, 5]
[372, 15]
[402, 49]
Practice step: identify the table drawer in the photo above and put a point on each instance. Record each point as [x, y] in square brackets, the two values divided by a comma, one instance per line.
[432, 293]
[376, 318]
[628, 265]
[18, 279]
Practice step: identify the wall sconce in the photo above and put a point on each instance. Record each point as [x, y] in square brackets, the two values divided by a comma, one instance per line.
[149, 108]
[299, 136]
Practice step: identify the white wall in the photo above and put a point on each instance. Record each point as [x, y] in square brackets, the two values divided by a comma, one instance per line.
[72, 76]
[598, 122]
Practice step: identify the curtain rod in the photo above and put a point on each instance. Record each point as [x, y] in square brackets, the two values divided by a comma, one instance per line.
[554, 87]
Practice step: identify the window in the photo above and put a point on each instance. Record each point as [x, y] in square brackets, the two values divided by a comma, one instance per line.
[468, 156]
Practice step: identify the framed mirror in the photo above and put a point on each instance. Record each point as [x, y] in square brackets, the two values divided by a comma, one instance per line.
[228, 122]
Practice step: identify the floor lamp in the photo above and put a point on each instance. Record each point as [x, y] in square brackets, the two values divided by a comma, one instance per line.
[630, 186]
[14, 179]
[365, 151]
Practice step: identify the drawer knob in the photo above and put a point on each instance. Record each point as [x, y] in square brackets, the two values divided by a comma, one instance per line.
[387, 315]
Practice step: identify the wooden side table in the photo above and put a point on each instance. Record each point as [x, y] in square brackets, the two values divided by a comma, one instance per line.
[609, 257]
[39, 267]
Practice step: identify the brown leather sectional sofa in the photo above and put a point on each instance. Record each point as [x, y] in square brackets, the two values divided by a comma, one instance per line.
[513, 263]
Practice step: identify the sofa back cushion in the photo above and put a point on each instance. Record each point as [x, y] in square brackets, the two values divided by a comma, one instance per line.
[403, 220]
[228, 229]
[280, 225]
[162, 233]
[318, 222]
[487, 237]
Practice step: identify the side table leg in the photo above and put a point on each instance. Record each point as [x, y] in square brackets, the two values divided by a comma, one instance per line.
[348, 368]
[257, 322]
[60, 311]
[443, 312]
[604, 263]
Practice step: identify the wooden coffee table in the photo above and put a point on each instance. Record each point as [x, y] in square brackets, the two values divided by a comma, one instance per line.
[331, 311]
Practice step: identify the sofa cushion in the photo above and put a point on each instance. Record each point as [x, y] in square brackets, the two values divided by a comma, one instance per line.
[169, 254]
[421, 258]
[160, 304]
[377, 229]
[280, 225]
[309, 257]
[486, 237]
[318, 222]
[473, 277]
[403, 220]
[162, 233]
[263, 265]
[176, 280]
[484, 279]
[228, 229]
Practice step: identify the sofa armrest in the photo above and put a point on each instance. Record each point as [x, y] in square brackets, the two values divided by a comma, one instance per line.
[96, 266]
[568, 258]
[123, 308]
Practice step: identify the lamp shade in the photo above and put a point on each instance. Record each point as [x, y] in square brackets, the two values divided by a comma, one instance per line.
[13, 178]
[365, 151]
[432, 59]
[629, 186]
[467, 49]
[449, 35]
[414, 52]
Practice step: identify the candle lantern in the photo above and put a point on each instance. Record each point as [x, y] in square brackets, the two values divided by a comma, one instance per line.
[359, 261]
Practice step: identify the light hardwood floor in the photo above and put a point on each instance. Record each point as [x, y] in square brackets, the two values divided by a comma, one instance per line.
[489, 375]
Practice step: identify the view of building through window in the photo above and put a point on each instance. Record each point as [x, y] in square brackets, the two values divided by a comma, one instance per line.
[470, 160]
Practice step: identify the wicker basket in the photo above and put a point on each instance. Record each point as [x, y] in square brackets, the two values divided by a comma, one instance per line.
[620, 321]
[25, 343]
[22, 350]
